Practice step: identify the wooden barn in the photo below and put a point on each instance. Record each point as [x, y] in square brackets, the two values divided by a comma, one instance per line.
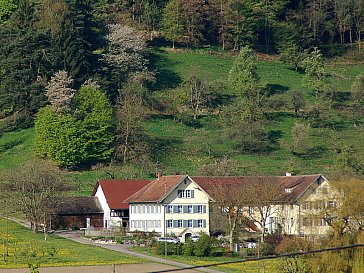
[76, 213]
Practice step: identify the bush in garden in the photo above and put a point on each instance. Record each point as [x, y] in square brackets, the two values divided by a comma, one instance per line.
[188, 248]
[203, 246]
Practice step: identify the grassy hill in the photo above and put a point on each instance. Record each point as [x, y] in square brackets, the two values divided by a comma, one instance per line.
[177, 147]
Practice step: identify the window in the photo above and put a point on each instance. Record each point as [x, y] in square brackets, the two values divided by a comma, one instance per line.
[180, 223]
[169, 209]
[148, 209]
[185, 193]
[116, 213]
[331, 204]
[169, 223]
[159, 223]
[189, 223]
[151, 209]
[199, 209]
[307, 206]
[181, 193]
[251, 210]
[190, 209]
[180, 209]
[199, 223]
[143, 209]
[307, 222]
[292, 222]
[188, 193]
[138, 208]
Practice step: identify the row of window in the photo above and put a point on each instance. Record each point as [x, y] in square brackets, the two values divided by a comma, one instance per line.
[318, 205]
[186, 209]
[146, 209]
[200, 223]
[146, 224]
[186, 194]
[119, 213]
[318, 222]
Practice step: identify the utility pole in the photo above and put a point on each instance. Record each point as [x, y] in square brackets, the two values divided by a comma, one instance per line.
[165, 224]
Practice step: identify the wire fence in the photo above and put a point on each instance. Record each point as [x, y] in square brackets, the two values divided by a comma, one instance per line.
[270, 257]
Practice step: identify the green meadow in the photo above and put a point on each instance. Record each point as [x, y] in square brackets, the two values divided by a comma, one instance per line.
[26, 247]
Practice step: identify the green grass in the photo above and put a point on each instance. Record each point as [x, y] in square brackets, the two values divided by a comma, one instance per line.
[176, 146]
[16, 148]
[27, 247]
[246, 267]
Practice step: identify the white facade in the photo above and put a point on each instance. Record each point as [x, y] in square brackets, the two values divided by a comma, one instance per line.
[110, 219]
[187, 206]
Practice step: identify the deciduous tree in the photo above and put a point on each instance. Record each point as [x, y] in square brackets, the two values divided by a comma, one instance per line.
[31, 187]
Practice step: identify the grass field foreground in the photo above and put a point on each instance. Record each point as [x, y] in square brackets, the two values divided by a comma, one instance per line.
[26, 247]
[272, 266]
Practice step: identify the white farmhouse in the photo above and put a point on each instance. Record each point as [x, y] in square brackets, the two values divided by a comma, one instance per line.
[170, 205]
[182, 205]
[111, 195]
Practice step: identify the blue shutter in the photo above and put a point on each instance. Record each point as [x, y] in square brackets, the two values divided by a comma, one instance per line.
[185, 223]
[175, 223]
[204, 223]
[204, 209]
[195, 223]
[192, 194]
[185, 209]
[195, 209]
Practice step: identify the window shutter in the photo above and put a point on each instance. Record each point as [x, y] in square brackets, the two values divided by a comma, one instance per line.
[175, 209]
[204, 209]
[195, 209]
[204, 223]
[192, 194]
[185, 223]
[175, 223]
[185, 209]
[195, 223]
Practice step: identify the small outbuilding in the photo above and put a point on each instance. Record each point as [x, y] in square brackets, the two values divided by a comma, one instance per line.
[76, 213]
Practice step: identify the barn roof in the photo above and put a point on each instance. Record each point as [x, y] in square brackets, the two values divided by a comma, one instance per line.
[116, 191]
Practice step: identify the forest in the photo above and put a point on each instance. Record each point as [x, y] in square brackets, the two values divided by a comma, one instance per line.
[185, 86]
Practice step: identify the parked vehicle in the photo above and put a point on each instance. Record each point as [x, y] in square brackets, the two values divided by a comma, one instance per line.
[168, 240]
[194, 238]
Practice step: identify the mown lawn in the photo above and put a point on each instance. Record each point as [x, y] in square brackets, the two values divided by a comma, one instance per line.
[27, 247]
[272, 266]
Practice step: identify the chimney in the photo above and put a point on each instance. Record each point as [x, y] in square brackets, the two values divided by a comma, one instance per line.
[288, 174]
[159, 175]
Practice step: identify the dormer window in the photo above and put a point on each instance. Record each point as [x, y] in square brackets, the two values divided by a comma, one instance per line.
[288, 190]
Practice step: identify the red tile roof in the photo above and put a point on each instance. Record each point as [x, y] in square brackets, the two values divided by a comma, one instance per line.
[116, 191]
[157, 190]
[296, 184]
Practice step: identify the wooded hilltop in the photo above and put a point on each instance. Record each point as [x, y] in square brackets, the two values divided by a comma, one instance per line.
[190, 86]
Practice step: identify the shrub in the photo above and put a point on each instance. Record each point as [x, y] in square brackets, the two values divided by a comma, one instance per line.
[292, 244]
[203, 246]
[188, 248]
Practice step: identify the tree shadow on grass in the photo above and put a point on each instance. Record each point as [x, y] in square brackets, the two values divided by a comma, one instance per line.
[165, 78]
[274, 89]
[10, 144]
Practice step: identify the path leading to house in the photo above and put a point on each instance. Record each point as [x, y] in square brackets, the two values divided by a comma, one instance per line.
[159, 264]
[75, 236]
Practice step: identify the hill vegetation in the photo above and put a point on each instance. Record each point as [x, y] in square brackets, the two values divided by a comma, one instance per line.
[109, 97]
